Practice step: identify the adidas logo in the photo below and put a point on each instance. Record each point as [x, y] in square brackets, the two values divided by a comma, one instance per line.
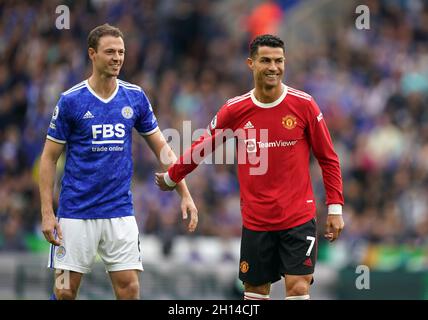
[248, 125]
[88, 115]
[308, 262]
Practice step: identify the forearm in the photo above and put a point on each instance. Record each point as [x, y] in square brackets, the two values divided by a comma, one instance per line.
[332, 179]
[192, 157]
[46, 184]
[328, 160]
[182, 189]
[166, 163]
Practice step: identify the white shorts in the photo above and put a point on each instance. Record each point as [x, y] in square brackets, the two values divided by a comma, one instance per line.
[116, 241]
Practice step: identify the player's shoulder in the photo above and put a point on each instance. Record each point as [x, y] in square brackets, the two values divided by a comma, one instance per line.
[72, 96]
[238, 100]
[298, 94]
[129, 86]
[74, 90]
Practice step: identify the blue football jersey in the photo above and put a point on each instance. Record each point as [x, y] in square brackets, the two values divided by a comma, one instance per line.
[98, 137]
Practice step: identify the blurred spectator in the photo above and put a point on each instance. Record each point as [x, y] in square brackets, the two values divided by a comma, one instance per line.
[265, 18]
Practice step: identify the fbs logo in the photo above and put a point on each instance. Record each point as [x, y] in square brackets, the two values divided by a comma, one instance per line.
[108, 130]
[289, 122]
[244, 267]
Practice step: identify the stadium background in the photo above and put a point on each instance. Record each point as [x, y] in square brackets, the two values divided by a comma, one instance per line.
[189, 57]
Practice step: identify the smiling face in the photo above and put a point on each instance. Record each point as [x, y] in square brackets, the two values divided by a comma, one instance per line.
[268, 65]
[108, 57]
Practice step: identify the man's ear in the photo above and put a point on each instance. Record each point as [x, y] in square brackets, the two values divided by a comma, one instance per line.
[91, 53]
[250, 63]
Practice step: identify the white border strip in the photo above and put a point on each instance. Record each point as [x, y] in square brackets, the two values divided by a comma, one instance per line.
[108, 142]
[149, 132]
[56, 140]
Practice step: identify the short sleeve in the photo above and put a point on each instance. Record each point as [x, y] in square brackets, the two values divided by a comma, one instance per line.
[146, 122]
[59, 127]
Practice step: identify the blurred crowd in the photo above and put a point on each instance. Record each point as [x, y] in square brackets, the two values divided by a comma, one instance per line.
[372, 86]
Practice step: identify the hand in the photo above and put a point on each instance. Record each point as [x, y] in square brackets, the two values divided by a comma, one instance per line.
[160, 182]
[333, 227]
[49, 225]
[188, 206]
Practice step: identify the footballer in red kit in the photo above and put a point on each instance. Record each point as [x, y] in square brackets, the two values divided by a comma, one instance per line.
[275, 128]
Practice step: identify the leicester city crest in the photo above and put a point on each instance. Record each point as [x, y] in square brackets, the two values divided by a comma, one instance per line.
[127, 112]
[60, 252]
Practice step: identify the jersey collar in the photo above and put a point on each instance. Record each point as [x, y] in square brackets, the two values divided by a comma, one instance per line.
[270, 104]
[98, 97]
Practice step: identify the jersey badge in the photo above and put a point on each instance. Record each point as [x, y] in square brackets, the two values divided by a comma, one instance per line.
[244, 267]
[60, 252]
[55, 113]
[127, 112]
[214, 122]
[289, 122]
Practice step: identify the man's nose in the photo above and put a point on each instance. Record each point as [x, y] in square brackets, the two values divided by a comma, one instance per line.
[273, 66]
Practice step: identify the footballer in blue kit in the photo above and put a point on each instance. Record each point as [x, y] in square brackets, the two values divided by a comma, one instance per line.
[93, 122]
[98, 133]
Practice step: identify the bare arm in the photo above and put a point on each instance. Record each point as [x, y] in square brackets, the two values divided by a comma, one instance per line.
[51, 152]
[166, 158]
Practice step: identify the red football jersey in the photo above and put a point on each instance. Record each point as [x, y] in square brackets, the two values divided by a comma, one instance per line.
[273, 143]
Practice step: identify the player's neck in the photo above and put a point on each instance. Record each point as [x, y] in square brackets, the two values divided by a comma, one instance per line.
[104, 87]
[268, 94]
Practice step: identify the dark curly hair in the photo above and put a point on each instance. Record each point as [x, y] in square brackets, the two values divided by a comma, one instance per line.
[265, 40]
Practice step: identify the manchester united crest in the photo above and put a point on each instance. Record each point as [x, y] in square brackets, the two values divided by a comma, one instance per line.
[244, 267]
[289, 122]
